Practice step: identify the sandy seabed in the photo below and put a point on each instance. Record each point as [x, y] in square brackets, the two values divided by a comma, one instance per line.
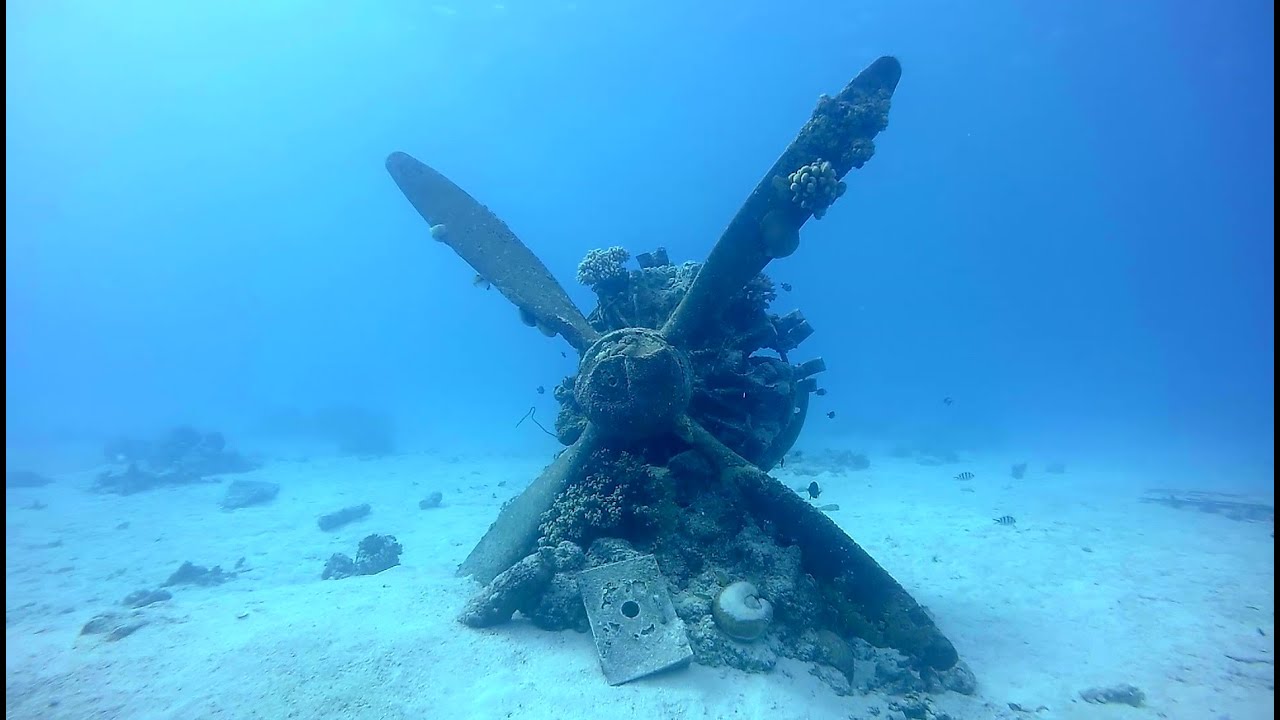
[1089, 588]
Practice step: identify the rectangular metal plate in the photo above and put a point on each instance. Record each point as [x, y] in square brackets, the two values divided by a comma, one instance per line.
[636, 628]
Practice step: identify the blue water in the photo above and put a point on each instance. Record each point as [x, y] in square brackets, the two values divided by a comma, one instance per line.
[1067, 228]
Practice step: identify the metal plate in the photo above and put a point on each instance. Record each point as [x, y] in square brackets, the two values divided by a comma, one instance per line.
[636, 628]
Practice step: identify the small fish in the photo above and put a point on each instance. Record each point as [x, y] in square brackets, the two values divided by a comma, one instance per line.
[832, 414]
[785, 286]
[480, 282]
[542, 390]
[563, 355]
[820, 392]
[947, 401]
[966, 475]
[439, 232]
[814, 490]
[782, 461]
[1006, 520]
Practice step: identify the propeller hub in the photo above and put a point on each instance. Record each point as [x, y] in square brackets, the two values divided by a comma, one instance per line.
[634, 383]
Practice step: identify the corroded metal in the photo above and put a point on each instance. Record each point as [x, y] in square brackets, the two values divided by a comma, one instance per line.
[636, 628]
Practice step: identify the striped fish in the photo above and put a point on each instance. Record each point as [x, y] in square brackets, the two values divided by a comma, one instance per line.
[1006, 520]
[966, 475]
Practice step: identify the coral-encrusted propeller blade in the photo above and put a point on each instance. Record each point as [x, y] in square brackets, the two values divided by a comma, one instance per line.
[830, 555]
[488, 245]
[802, 183]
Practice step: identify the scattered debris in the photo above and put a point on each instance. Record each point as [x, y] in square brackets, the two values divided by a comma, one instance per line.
[190, 574]
[1018, 471]
[244, 493]
[632, 620]
[1117, 694]
[829, 508]
[113, 626]
[337, 519]
[134, 479]
[375, 554]
[1230, 505]
[636, 629]
[143, 598]
[431, 501]
[914, 707]
[34, 505]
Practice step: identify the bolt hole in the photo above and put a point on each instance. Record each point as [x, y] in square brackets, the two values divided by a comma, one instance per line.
[631, 608]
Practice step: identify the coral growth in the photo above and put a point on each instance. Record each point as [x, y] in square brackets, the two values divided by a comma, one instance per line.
[603, 267]
[619, 496]
[375, 554]
[815, 187]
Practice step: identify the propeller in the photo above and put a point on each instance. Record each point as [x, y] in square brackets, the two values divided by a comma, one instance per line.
[837, 139]
[486, 244]
[635, 384]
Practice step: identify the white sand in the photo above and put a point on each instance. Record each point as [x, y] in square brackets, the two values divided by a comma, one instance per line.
[1089, 588]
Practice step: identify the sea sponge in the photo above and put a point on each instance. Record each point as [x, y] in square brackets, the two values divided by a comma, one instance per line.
[741, 613]
[815, 186]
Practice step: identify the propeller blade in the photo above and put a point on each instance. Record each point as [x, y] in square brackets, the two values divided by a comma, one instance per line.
[767, 226]
[831, 556]
[486, 243]
[512, 535]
